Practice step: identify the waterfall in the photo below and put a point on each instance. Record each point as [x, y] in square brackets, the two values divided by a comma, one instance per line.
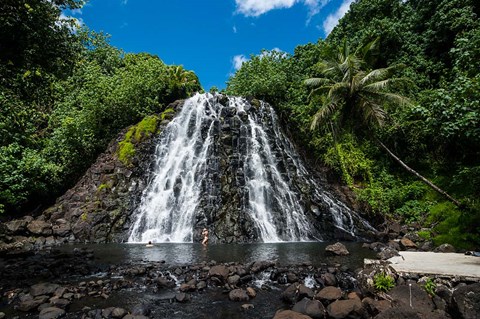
[226, 164]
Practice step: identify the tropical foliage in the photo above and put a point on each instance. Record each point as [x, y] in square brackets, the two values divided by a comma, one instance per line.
[65, 93]
[391, 71]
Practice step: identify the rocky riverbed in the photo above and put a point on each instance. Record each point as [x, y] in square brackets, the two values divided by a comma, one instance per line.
[73, 284]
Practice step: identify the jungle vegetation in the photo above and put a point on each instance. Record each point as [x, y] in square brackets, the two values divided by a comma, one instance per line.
[65, 92]
[397, 78]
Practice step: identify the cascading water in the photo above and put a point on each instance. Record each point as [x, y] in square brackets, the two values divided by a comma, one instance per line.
[225, 164]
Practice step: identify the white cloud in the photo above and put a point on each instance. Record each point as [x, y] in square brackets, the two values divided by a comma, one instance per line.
[234, 29]
[73, 23]
[76, 12]
[255, 8]
[238, 60]
[332, 20]
[124, 2]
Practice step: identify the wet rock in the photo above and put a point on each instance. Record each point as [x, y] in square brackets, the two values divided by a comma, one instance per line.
[59, 302]
[60, 291]
[238, 295]
[289, 314]
[312, 308]
[352, 308]
[329, 293]
[247, 306]
[219, 271]
[182, 297]
[187, 288]
[261, 265]
[251, 292]
[30, 304]
[43, 289]
[131, 316]
[166, 296]
[201, 285]
[466, 301]
[291, 277]
[233, 280]
[163, 282]
[329, 279]
[51, 313]
[445, 248]
[337, 249]
[295, 292]
[118, 313]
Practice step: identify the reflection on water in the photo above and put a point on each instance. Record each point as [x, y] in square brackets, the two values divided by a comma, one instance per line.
[191, 253]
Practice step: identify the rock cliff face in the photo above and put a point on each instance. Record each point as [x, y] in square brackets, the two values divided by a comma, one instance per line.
[104, 204]
[98, 208]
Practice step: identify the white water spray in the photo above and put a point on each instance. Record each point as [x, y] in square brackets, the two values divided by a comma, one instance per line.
[171, 203]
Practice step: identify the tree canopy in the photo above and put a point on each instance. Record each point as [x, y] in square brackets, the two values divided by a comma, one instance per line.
[437, 133]
[65, 92]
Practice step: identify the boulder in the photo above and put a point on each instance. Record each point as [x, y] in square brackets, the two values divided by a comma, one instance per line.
[51, 313]
[238, 295]
[288, 314]
[38, 227]
[387, 253]
[233, 280]
[420, 298]
[29, 304]
[407, 243]
[118, 313]
[374, 307]
[43, 289]
[251, 292]
[295, 292]
[182, 297]
[400, 312]
[312, 308]
[261, 265]
[16, 226]
[219, 271]
[329, 293]
[135, 317]
[352, 308]
[466, 301]
[329, 279]
[337, 249]
[445, 248]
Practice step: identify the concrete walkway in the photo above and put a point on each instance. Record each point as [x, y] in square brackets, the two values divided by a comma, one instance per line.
[448, 264]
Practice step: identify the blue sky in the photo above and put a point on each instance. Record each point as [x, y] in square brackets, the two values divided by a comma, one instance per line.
[211, 37]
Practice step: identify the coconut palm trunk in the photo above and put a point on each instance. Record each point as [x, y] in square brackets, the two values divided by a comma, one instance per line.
[423, 179]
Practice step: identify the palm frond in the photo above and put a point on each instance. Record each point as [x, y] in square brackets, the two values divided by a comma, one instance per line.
[373, 113]
[315, 82]
[323, 113]
[375, 75]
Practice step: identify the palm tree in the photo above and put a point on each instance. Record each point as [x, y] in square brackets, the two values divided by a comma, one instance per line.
[357, 94]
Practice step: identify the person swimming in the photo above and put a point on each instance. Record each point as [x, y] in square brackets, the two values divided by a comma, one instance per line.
[149, 244]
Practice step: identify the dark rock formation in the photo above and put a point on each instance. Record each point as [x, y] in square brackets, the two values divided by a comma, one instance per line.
[100, 207]
[466, 301]
[338, 249]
